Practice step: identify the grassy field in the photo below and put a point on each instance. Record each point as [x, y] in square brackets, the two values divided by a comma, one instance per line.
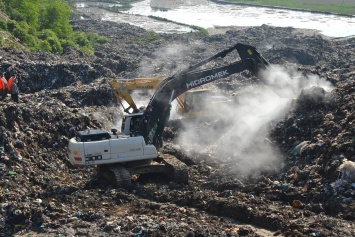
[346, 7]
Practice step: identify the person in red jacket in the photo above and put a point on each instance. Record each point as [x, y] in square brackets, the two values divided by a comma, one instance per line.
[3, 88]
[13, 88]
[9, 83]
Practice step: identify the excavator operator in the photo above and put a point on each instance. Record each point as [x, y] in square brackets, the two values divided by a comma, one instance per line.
[145, 123]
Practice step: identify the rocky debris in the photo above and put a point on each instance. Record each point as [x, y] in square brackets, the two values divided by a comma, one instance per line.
[310, 192]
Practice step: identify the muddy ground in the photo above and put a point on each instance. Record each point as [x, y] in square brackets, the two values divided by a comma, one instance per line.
[301, 189]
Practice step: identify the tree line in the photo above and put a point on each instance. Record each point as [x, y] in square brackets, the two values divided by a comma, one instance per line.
[44, 25]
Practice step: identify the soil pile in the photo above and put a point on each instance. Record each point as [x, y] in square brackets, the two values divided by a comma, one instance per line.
[310, 191]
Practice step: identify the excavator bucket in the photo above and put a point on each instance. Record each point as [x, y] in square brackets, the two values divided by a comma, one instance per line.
[251, 56]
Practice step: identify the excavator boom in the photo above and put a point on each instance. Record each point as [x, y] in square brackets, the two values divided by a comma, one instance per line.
[190, 78]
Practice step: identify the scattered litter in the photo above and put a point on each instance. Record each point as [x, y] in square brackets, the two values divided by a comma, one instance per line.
[347, 171]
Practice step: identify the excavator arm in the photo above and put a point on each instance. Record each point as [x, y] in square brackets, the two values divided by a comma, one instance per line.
[159, 106]
[122, 89]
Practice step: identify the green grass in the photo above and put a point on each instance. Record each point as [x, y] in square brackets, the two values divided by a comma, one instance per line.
[8, 40]
[338, 9]
[123, 7]
[152, 36]
[199, 30]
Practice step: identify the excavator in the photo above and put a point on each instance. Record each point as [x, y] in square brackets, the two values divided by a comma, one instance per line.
[136, 149]
[191, 104]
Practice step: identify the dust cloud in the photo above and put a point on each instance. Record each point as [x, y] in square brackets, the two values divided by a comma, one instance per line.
[108, 118]
[163, 62]
[240, 133]
[142, 97]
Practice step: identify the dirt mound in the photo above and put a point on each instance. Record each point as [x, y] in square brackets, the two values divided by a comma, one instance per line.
[302, 191]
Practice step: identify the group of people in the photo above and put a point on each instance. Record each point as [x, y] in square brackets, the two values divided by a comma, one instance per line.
[9, 87]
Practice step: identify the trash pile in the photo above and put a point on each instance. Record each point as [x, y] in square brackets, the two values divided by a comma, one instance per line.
[312, 192]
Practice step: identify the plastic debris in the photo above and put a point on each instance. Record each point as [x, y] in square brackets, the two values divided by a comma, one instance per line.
[347, 171]
[296, 203]
[136, 232]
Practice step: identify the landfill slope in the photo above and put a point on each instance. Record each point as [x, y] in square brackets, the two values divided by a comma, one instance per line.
[308, 191]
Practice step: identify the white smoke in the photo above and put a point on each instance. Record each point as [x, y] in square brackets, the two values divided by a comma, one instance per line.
[108, 117]
[289, 83]
[166, 61]
[141, 97]
[174, 110]
[241, 133]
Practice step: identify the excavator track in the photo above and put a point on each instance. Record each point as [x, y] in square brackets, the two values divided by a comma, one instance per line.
[115, 174]
[176, 169]
[120, 175]
[181, 176]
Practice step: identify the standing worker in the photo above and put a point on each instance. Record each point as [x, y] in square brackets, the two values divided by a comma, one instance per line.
[13, 88]
[3, 87]
[9, 83]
